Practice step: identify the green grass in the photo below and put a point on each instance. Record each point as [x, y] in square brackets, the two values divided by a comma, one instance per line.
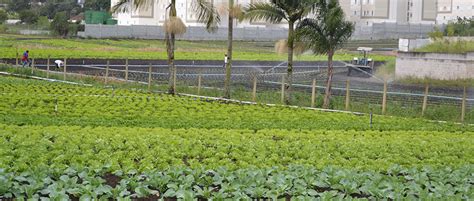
[435, 82]
[151, 49]
[445, 46]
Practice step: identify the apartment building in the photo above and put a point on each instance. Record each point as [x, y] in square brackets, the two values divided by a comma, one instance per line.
[407, 11]
[449, 10]
[156, 14]
[362, 12]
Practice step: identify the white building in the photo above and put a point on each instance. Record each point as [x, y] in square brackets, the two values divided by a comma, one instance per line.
[156, 14]
[362, 12]
[407, 11]
[450, 10]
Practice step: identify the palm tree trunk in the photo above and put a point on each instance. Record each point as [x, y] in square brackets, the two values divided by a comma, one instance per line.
[230, 32]
[170, 47]
[327, 95]
[289, 73]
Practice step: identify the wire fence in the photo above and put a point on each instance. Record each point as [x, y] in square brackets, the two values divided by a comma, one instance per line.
[263, 84]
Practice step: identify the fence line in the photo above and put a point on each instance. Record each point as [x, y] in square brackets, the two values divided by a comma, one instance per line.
[252, 81]
[262, 74]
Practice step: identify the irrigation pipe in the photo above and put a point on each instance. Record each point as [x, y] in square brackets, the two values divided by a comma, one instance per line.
[42, 78]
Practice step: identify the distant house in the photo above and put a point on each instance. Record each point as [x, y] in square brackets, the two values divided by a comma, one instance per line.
[77, 18]
[81, 2]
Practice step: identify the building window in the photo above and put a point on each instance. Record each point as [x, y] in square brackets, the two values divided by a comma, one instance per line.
[458, 7]
[355, 12]
[372, 13]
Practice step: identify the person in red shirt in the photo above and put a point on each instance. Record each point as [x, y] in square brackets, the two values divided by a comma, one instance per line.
[25, 59]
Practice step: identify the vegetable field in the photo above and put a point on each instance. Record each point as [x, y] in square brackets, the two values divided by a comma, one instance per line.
[70, 142]
[149, 49]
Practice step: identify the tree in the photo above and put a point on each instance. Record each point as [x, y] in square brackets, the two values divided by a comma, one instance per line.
[233, 12]
[19, 5]
[3, 16]
[277, 11]
[28, 16]
[325, 34]
[51, 7]
[100, 5]
[206, 14]
[60, 24]
[43, 22]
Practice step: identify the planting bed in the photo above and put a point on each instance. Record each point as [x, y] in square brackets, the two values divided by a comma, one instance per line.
[63, 142]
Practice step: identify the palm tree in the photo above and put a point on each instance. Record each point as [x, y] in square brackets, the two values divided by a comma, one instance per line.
[206, 14]
[233, 12]
[325, 34]
[277, 11]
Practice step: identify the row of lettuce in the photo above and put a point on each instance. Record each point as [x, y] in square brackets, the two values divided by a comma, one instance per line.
[34, 102]
[123, 148]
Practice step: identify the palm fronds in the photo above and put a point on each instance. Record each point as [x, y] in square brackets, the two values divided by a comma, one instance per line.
[266, 12]
[207, 14]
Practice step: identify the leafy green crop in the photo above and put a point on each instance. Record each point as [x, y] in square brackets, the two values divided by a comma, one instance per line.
[35, 102]
[60, 142]
[26, 147]
[296, 182]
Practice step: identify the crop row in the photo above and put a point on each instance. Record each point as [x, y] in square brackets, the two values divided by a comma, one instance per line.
[24, 147]
[32, 102]
[294, 183]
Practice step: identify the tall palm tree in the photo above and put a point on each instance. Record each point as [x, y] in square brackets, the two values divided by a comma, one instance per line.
[325, 34]
[277, 11]
[207, 14]
[233, 12]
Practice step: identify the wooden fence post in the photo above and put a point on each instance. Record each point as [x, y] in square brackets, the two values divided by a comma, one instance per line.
[425, 100]
[384, 99]
[313, 93]
[348, 94]
[65, 69]
[199, 83]
[174, 79]
[47, 66]
[32, 65]
[463, 106]
[254, 91]
[149, 78]
[126, 70]
[283, 89]
[17, 59]
[107, 72]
